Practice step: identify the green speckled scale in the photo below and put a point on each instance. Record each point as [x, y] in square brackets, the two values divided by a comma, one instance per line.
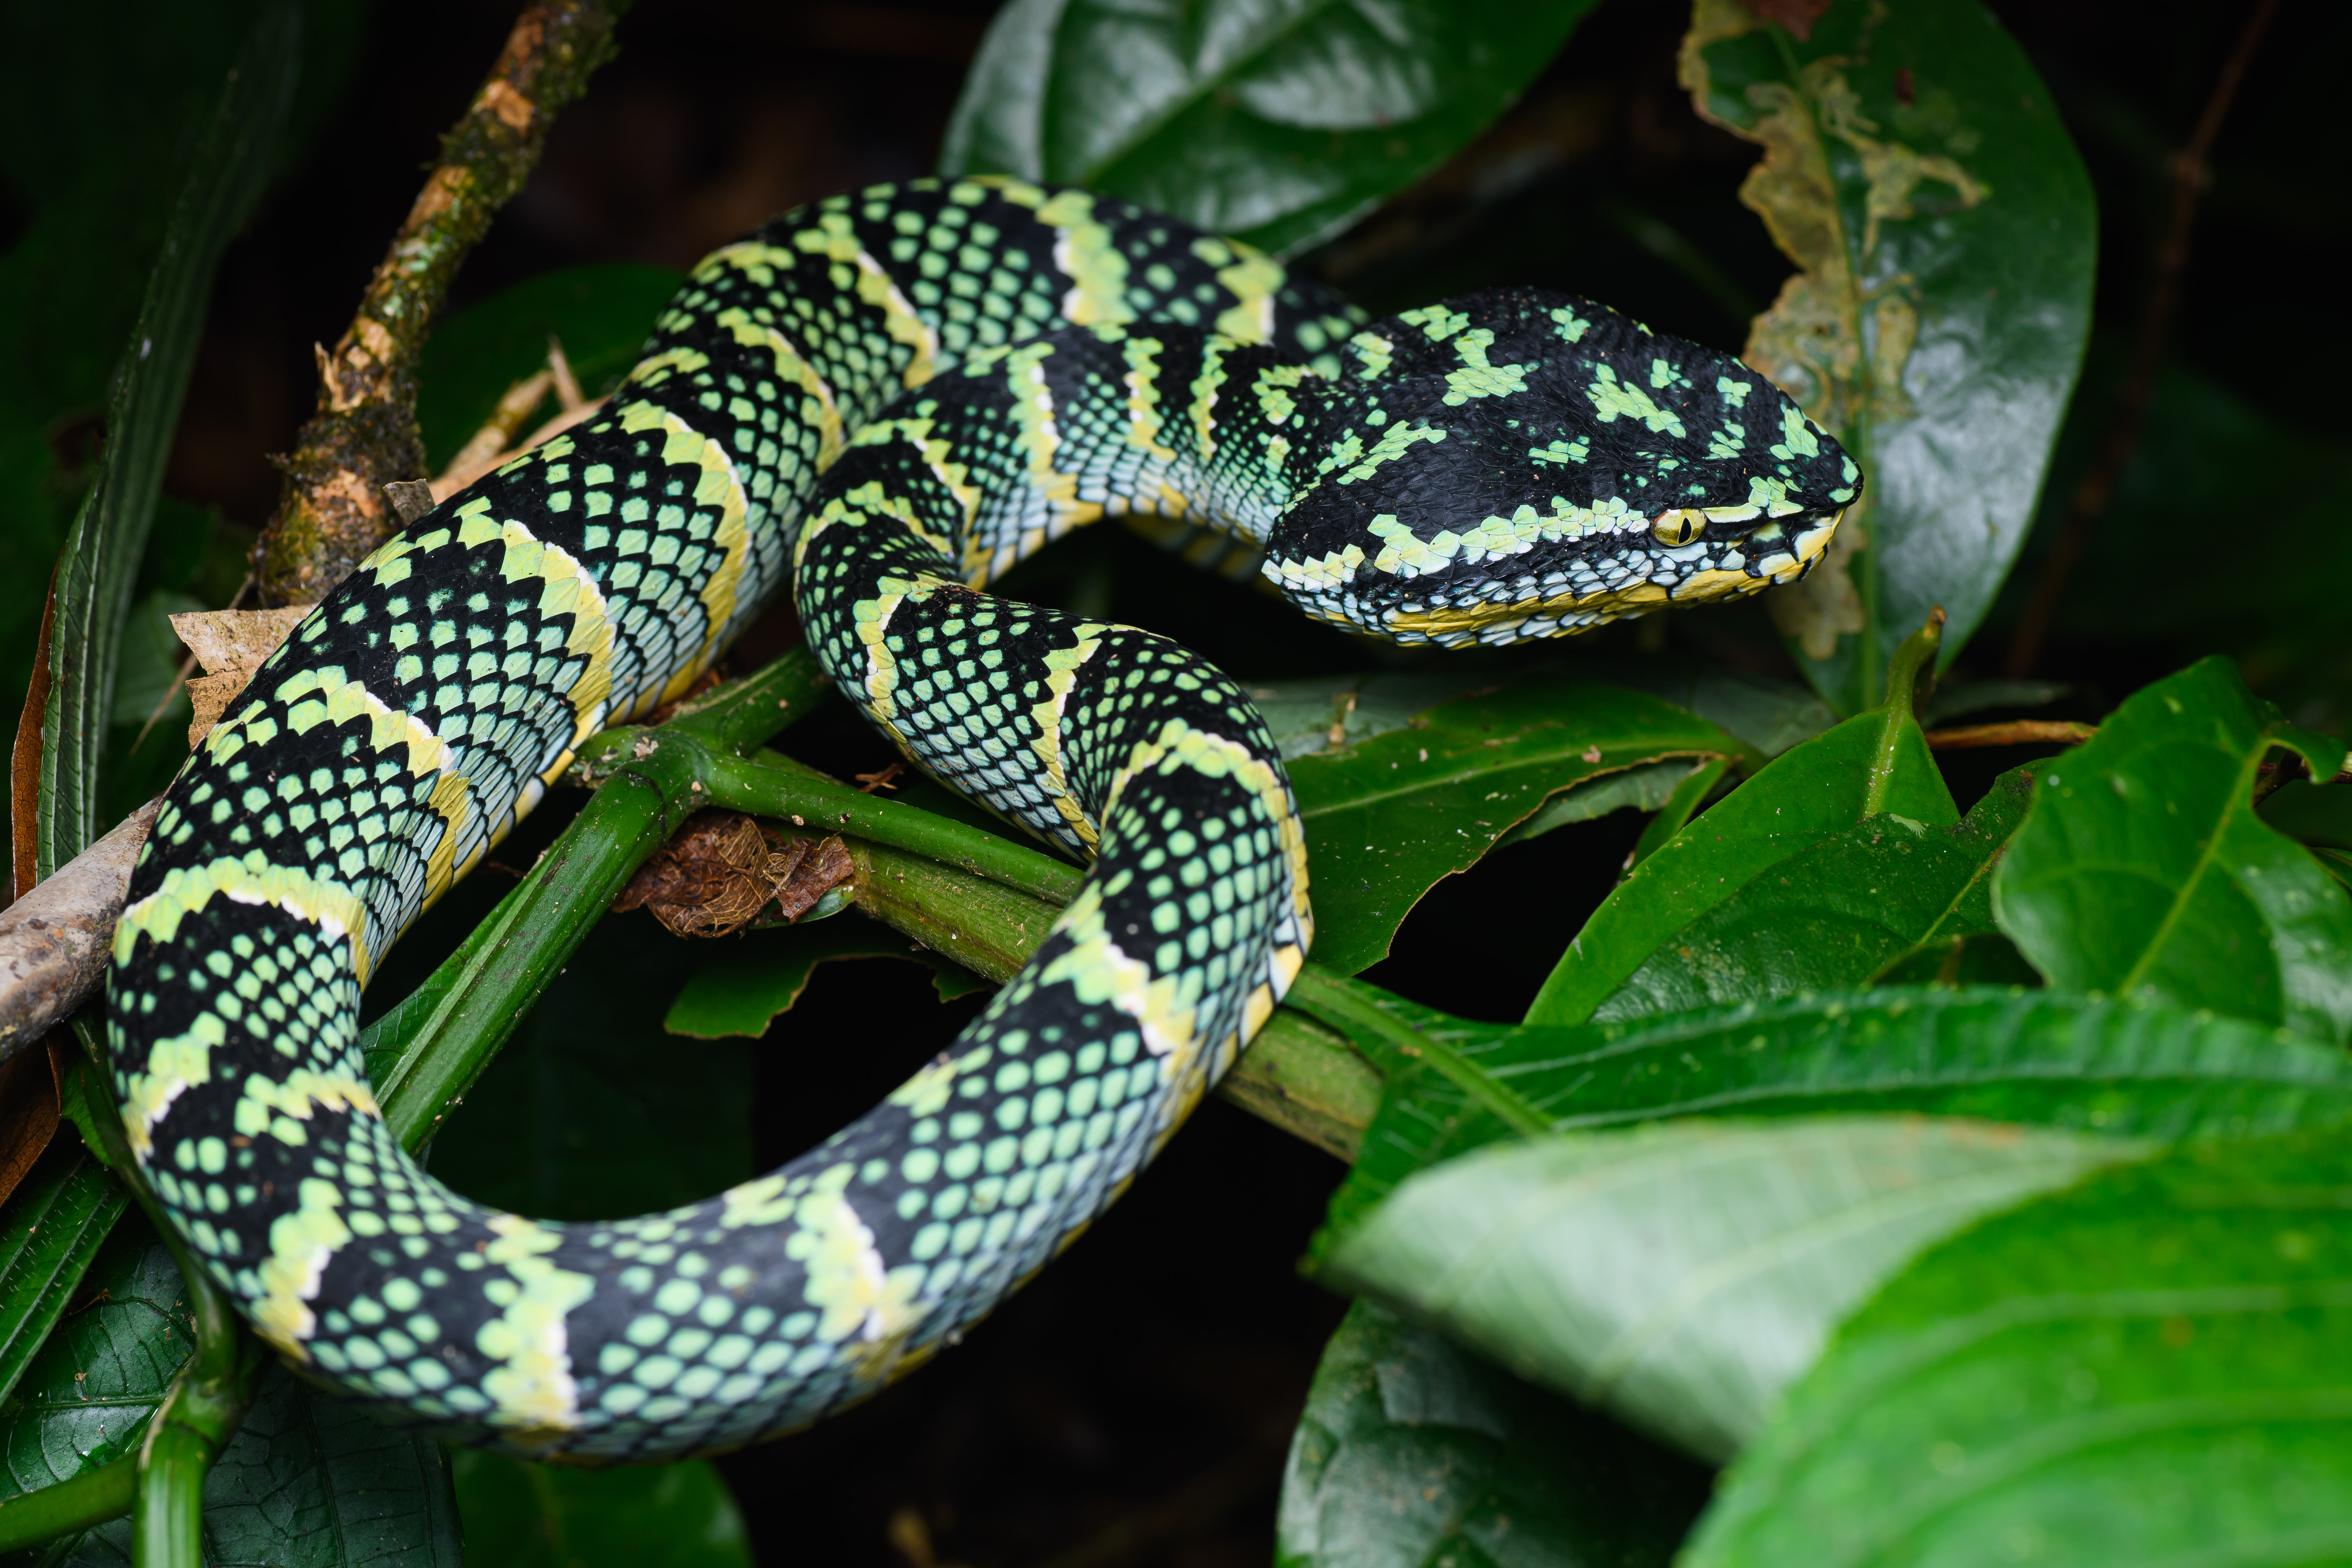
[886, 399]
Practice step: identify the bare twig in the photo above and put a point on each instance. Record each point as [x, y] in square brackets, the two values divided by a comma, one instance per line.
[54, 941]
[365, 434]
[2016, 732]
[2190, 175]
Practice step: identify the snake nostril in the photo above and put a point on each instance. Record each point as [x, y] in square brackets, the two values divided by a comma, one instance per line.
[1679, 527]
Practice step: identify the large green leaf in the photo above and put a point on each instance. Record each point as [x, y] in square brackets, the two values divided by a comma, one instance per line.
[2149, 1369]
[1413, 1451]
[2319, 818]
[306, 1482]
[2143, 869]
[1387, 818]
[1918, 174]
[1275, 121]
[602, 315]
[50, 1231]
[2131, 1070]
[1821, 787]
[521, 1515]
[1831, 916]
[1683, 1275]
[91, 592]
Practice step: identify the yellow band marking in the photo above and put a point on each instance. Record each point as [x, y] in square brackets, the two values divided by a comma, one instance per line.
[718, 486]
[794, 366]
[301, 1244]
[535, 1398]
[187, 889]
[833, 238]
[1061, 674]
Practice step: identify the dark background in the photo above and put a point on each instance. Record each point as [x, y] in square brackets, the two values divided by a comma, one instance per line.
[1147, 1383]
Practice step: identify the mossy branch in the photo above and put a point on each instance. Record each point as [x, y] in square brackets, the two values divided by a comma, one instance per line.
[364, 435]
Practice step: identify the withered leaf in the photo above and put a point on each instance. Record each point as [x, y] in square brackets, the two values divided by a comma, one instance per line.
[230, 644]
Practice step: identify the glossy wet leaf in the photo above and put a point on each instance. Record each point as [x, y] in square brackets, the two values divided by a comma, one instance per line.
[1831, 915]
[50, 1232]
[2319, 818]
[521, 1515]
[235, 141]
[1799, 798]
[602, 314]
[1683, 1275]
[306, 1482]
[748, 983]
[1389, 817]
[2147, 1369]
[1413, 1451]
[1918, 174]
[2144, 869]
[1275, 122]
[1997, 1054]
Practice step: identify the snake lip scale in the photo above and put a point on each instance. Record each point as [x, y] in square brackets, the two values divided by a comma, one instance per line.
[879, 403]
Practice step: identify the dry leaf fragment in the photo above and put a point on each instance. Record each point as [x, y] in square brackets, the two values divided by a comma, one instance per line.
[720, 870]
[230, 644]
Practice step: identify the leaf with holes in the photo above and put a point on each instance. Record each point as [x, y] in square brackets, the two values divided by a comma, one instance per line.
[1918, 174]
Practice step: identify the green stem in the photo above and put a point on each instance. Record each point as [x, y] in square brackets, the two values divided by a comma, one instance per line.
[1354, 1009]
[768, 784]
[476, 998]
[1298, 1075]
[1914, 659]
[87, 1500]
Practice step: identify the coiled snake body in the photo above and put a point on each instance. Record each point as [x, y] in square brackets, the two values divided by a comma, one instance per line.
[888, 398]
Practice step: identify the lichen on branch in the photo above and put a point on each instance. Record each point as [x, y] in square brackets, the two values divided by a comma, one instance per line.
[365, 434]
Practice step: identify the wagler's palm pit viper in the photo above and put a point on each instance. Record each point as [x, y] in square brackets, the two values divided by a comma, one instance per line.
[885, 400]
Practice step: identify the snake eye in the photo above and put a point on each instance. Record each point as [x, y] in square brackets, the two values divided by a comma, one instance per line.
[1680, 527]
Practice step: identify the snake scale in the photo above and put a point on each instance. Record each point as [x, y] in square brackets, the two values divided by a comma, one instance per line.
[885, 400]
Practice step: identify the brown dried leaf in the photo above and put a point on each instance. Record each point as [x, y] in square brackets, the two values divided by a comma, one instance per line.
[813, 878]
[716, 875]
[230, 644]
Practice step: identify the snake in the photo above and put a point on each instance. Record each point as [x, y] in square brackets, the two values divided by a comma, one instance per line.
[879, 402]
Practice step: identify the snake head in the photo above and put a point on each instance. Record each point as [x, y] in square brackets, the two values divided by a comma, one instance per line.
[1519, 463]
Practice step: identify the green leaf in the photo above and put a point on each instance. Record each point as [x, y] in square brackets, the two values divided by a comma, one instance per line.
[50, 1231]
[744, 987]
[95, 575]
[1918, 174]
[602, 315]
[591, 1110]
[87, 1397]
[1799, 798]
[1390, 817]
[1831, 915]
[2143, 870]
[308, 1481]
[1278, 122]
[1652, 787]
[1977, 958]
[1684, 1275]
[2147, 1369]
[2319, 818]
[1332, 712]
[2045, 1058]
[1413, 1451]
[521, 1515]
